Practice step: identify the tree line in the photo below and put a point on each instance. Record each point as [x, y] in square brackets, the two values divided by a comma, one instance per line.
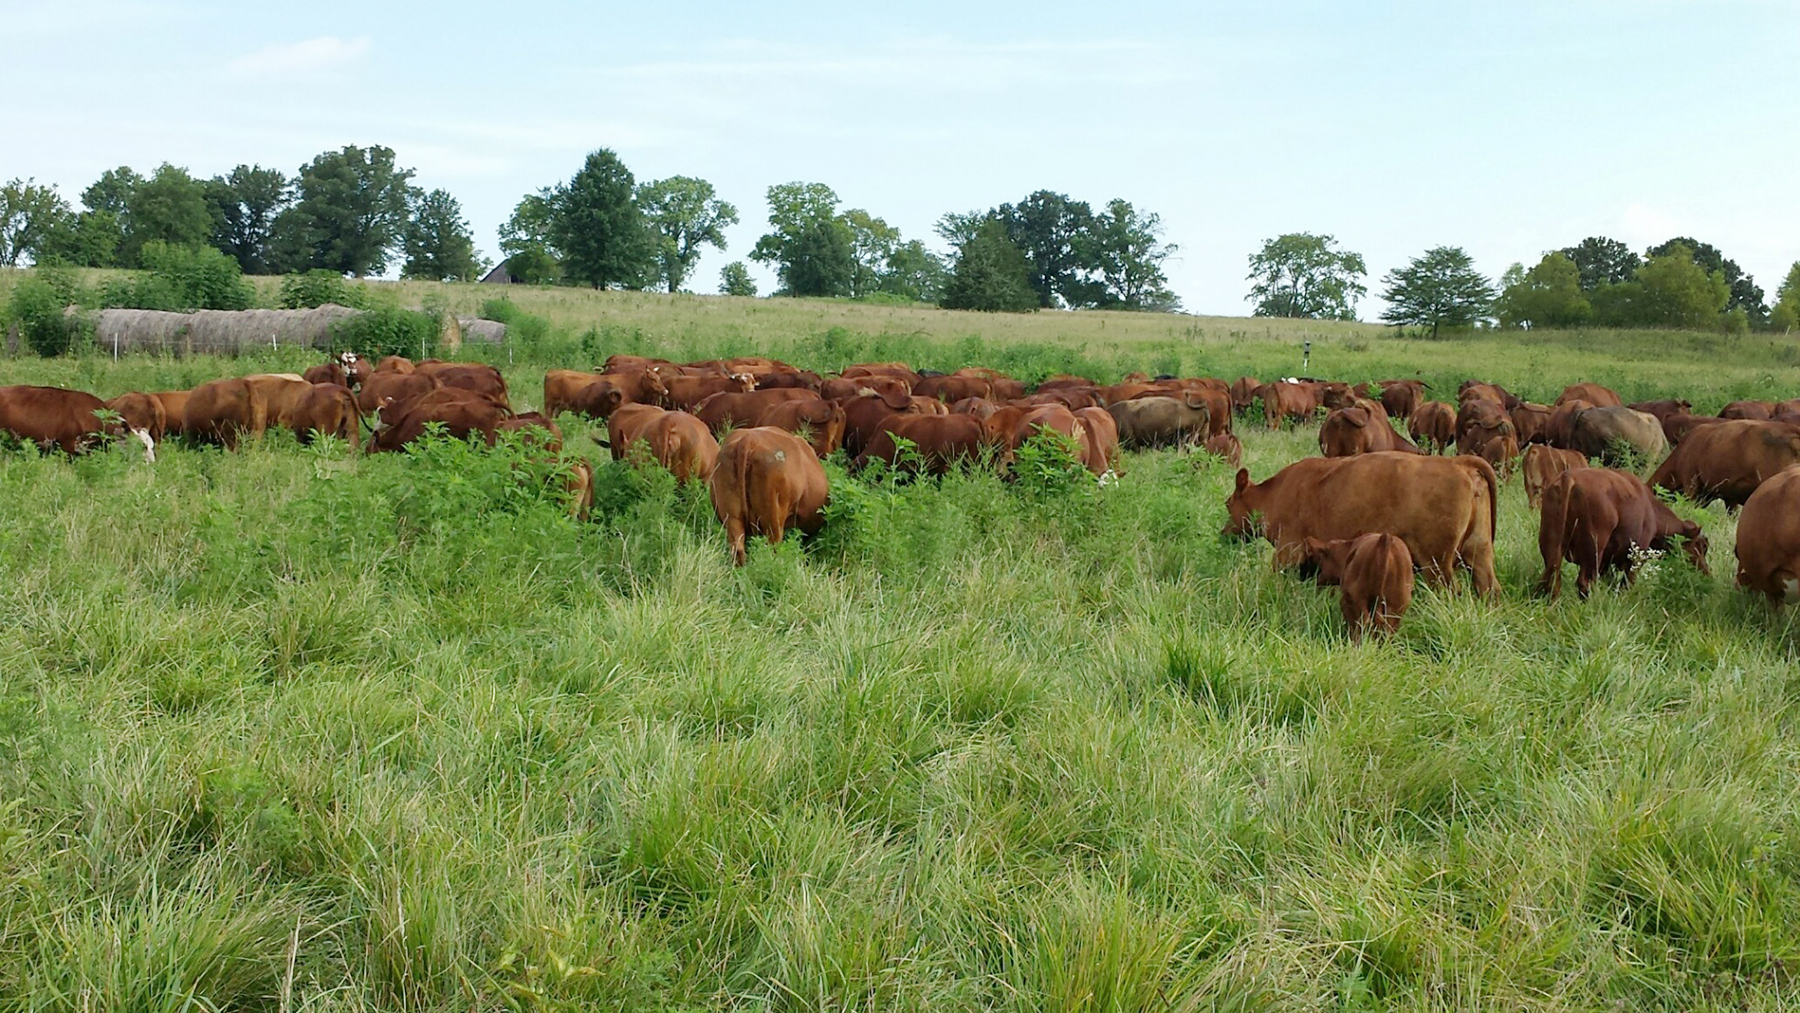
[1680, 283]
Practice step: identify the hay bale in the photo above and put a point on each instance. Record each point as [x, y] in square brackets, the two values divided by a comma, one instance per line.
[226, 332]
[491, 332]
[450, 334]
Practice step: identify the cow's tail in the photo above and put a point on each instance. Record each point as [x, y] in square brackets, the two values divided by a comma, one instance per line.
[1493, 488]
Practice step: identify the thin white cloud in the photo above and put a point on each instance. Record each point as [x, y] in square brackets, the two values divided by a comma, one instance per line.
[299, 58]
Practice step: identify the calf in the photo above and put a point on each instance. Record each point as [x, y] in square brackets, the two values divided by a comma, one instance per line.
[1375, 572]
[1600, 519]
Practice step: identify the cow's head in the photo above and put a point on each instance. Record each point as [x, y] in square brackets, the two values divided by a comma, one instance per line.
[1324, 561]
[1695, 546]
[1243, 510]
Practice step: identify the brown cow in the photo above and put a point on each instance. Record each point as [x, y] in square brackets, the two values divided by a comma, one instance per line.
[627, 426]
[640, 387]
[840, 388]
[1100, 449]
[394, 364]
[479, 377]
[1601, 520]
[586, 394]
[686, 392]
[223, 411]
[174, 407]
[1433, 426]
[1225, 445]
[142, 412]
[1360, 429]
[1611, 434]
[1728, 459]
[389, 387]
[1284, 400]
[328, 409]
[939, 442]
[1559, 432]
[788, 379]
[1398, 397]
[953, 388]
[280, 393]
[1531, 422]
[819, 422]
[1039, 418]
[1442, 507]
[462, 412]
[1542, 465]
[864, 414]
[1484, 430]
[741, 409]
[1760, 411]
[1592, 393]
[684, 445]
[1676, 427]
[64, 419]
[1163, 421]
[766, 479]
[327, 372]
[1768, 539]
[1662, 409]
[1243, 393]
[1375, 573]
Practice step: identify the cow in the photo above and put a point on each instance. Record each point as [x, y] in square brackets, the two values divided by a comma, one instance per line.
[461, 411]
[1288, 400]
[1443, 508]
[1374, 573]
[938, 442]
[1760, 411]
[327, 409]
[474, 376]
[1243, 393]
[627, 426]
[1612, 434]
[1163, 421]
[223, 411]
[1728, 459]
[1592, 393]
[64, 419]
[394, 364]
[1360, 429]
[280, 394]
[585, 394]
[1602, 520]
[1559, 431]
[1433, 426]
[1542, 464]
[386, 387]
[684, 445]
[1021, 424]
[1488, 392]
[1484, 430]
[819, 422]
[1225, 445]
[686, 392]
[864, 414]
[1676, 427]
[327, 372]
[741, 409]
[788, 379]
[840, 388]
[765, 480]
[953, 388]
[1768, 539]
[645, 386]
[1100, 449]
[1663, 409]
[174, 408]
[1531, 423]
[142, 412]
[1398, 397]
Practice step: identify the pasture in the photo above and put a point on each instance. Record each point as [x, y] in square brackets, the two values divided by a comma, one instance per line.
[292, 729]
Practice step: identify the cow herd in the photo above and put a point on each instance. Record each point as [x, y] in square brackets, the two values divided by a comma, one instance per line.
[1379, 503]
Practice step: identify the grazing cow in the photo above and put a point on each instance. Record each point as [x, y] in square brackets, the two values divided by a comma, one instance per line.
[741, 409]
[388, 387]
[938, 441]
[1163, 421]
[1484, 430]
[585, 394]
[1442, 507]
[535, 429]
[1285, 400]
[473, 376]
[1243, 393]
[64, 419]
[1768, 539]
[1542, 465]
[1728, 459]
[1225, 445]
[142, 412]
[1611, 434]
[1559, 432]
[840, 388]
[1028, 422]
[789, 379]
[174, 407]
[1592, 393]
[1005, 388]
[980, 407]
[328, 409]
[1531, 422]
[1676, 427]
[1760, 411]
[1433, 426]
[280, 395]
[819, 422]
[1100, 449]
[686, 392]
[1487, 392]
[461, 411]
[864, 414]
[953, 388]
[327, 372]
[645, 386]
[1663, 409]
[394, 364]
[1601, 519]
[1375, 573]
[766, 479]
[627, 426]
[1360, 429]
[1398, 397]
[684, 445]
[223, 411]
[1063, 381]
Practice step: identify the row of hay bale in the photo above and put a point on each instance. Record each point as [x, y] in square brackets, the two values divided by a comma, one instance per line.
[232, 332]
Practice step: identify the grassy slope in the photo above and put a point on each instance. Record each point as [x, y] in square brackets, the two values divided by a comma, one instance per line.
[434, 747]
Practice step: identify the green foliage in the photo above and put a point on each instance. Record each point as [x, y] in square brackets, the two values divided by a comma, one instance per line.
[1052, 231]
[182, 279]
[318, 287]
[1675, 291]
[38, 306]
[526, 242]
[169, 207]
[244, 206]
[1548, 295]
[1602, 261]
[914, 274]
[1745, 294]
[1440, 288]
[812, 247]
[1126, 254]
[683, 214]
[991, 274]
[532, 332]
[1301, 275]
[1785, 317]
[349, 212]
[598, 229]
[386, 330]
[734, 279]
[437, 241]
[29, 215]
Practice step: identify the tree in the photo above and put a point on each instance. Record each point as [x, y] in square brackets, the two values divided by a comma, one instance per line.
[168, 207]
[244, 205]
[957, 229]
[735, 280]
[438, 243]
[29, 215]
[1786, 315]
[350, 212]
[1548, 295]
[1600, 261]
[1745, 294]
[821, 260]
[597, 228]
[873, 243]
[914, 273]
[1676, 291]
[684, 214]
[1050, 230]
[525, 240]
[991, 274]
[1301, 275]
[1440, 288]
[1126, 252]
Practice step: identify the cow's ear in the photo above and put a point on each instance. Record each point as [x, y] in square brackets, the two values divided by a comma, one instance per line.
[1243, 479]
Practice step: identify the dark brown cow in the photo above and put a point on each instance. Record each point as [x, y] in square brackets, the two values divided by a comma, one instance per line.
[1675, 427]
[462, 412]
[1398, 398]
[1542, 465]
[1243, 393]
[1433, 426]
[1662, 409]
[586, 394]
[819, 422]
[683, 444]
[1283, 400]
[143, 412]
[1768, 539]
[1601, 520]
[686, 392]
[1760, 411]
[788, 379]
[1442, 507]
[938, 441]
[1561, 430]
[388, 387]
[1592, 393]
[742, 409]
[1531, 422]
[1163, 421]
[327, 372]
[328, 409]
[479, 377]
[1225, 445]
[765, 480]
[864, 414]
[1484, 430]
[898, 370]
[1727, 460]
[1611, 434]
[1375, 575]
[1360, 429]
[64, 419]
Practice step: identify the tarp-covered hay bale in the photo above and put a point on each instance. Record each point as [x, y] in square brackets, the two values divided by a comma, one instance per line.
[226, 332]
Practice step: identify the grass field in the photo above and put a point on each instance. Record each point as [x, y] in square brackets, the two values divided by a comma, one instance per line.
[289, 730]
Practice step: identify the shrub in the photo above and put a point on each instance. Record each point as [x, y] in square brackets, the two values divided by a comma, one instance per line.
[38, 306]
[318, 287]
[386, 331]
[181, 279]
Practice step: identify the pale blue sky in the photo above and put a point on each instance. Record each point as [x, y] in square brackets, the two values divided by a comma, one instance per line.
[1507, 128]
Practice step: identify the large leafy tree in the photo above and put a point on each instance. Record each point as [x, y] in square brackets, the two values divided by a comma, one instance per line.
[438, 243]
[915, 273]
[350, 211]
[243, 206]
[1303, 275]
[169, 207]
[1786, 315]
[1438, 289]
[1548, 295]
[1745, 294]
[525, 240]
[29, 216]
[684, 214]
[1677, 291]
[812, 247]
[597, 227]
[1052, 230]
[991, 273]
[873, 244]
[1600, 261]
[1126, 251]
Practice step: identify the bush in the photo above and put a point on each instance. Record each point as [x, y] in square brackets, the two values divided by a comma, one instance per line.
[181, 279]
[530, 331]
[318, 287]
[38, 306]
[386, 331]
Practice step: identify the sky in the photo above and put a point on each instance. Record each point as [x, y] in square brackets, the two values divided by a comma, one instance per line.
[1508, 129]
